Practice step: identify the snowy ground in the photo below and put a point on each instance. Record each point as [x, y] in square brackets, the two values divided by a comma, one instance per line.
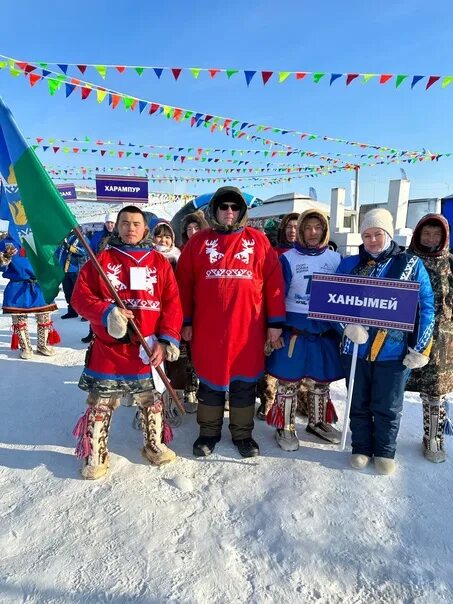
[299, 527]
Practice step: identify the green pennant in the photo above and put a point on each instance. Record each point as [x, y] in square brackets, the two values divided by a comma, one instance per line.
[51, 141]
[195, 71]
[317, 76]
[128, 153]
[235, 123]
[260, 128]
[283, 75]
[128, 102]
[231, 72]
[84, 150]
[139, 70]
[87, 139]
[312, 137]
[367, 77]
[399, 80]
[3, 64]
[66, 149]
[14, 72]
[44, 65]
[187, 114]
[54, 85]
[102, 70]
[446, 82]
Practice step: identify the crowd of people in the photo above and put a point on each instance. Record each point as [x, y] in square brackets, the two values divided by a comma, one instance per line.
[226, 315]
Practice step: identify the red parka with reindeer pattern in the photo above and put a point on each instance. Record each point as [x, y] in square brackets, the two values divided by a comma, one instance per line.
[113, 363]
[232, 289]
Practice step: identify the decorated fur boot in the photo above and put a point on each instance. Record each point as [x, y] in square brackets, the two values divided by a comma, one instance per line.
[46, 335]
[434, 420]
[21, 337]
[282, 415]
[319, 407]
[92, 429]
[302, 399]
[156, 435]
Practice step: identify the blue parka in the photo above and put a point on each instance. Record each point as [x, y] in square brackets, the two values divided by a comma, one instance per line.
[409, 268]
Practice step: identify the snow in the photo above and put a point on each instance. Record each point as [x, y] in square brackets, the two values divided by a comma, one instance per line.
[285, 527]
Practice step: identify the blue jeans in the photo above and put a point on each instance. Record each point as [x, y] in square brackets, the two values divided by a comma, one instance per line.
[377, 405]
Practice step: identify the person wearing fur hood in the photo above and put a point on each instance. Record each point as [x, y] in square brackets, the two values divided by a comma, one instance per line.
[287, 233]
[308, 348]
[231, 288]
[430, 242]
[191, 224]
[163, 237]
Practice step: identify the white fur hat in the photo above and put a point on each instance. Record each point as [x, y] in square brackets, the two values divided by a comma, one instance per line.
[377, 219]
[110, 217]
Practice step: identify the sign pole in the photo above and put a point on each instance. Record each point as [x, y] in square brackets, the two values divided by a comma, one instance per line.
[347, 410]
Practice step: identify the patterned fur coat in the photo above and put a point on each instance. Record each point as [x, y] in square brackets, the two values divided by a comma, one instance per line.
[436, 378]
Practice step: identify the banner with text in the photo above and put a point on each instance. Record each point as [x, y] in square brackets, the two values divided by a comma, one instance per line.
[385, 303]
[68, 192]
[121, 189]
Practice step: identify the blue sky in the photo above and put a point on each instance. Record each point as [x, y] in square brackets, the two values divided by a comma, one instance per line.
[411, 37]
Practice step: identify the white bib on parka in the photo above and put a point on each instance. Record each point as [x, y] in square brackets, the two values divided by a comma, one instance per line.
[302, 268]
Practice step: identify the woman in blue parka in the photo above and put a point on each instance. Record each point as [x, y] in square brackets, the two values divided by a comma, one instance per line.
[385, 356]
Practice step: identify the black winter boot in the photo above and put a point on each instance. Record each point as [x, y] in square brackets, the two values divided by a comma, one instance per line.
[205, 445]
[247, 447]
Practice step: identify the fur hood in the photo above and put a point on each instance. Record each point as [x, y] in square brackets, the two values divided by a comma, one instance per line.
[432, 220]
[281, 234]
[313, 213]
[227, 194]
[198, 218]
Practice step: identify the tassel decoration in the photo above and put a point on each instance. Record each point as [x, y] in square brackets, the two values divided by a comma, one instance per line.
[167, 434]
[275, 416]
[14, 341]
[331, 414]
[54, 336]
[83, 448]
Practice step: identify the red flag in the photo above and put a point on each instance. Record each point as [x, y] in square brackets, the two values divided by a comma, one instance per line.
[34, 78]
[82, 68]
[266, 75]
[85, 92]
[176, 71]
[213, 72]
[300, 75]
[432, 80]
[120, 68]
[153, 108]
[351, 77]
[385, 78]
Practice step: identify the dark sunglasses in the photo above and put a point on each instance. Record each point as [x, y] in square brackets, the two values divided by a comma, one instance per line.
[234, 206]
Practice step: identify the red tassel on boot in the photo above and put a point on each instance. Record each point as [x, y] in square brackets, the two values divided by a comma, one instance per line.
[275, 416]
[331, 414]
[14, 341]
[167, 435]
[54, 336]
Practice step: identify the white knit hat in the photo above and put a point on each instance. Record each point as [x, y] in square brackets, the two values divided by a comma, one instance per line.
[110, 217]
[377, 219]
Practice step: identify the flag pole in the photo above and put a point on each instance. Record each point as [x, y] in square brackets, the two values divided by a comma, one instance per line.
[344, 433]
[78, 231]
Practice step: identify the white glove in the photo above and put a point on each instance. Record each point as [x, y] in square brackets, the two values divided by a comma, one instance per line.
[116, 323]
[172, 352]
[356, 333]
[415, 360]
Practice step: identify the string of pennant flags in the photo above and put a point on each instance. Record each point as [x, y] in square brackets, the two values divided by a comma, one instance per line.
[264, 75]
[234, 128]
[208, 151]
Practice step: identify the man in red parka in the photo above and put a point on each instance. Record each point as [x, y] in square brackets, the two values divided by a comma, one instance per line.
[144, 280]
[232, 294]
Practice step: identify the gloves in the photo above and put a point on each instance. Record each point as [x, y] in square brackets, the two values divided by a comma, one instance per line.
[415, 360]
[356, 333]
[171, 351]
[116, 323]
[10, 251]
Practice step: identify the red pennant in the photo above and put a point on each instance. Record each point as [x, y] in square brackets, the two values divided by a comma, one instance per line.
[351, 77]
[153, 108]
[432, 80]
[177, 114]
[82, 68]
[85, 92]
[145, 155]
[115, 100]
[385, 78]
[55, 149]
[300, 75]
[75, 150]
[39, 140]
[266, 75]
[34, 78]
[120, 153]
[103, 152]
[176, 71]
[120, 68]
[213, 72]
[134, 104]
